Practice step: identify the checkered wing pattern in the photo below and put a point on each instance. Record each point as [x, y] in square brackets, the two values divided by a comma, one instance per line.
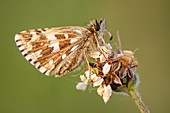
[54, 51]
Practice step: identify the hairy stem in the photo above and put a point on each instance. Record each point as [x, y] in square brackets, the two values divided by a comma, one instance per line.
[134, 94]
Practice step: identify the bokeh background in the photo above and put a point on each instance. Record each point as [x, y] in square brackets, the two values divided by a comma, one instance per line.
[143, 24]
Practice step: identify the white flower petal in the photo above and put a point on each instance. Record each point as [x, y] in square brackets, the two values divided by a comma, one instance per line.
[83, 78]
[98, 82]
[87, 73]
[106, 98]
[81, 86]
[100, 90]
[107, 93]
[94, 77]
[86, 81]
[106, 68]
[107, 90]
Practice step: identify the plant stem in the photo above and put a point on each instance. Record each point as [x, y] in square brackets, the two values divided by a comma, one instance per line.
[134, 94]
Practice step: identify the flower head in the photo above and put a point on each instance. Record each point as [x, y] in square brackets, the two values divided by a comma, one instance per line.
[110, 71]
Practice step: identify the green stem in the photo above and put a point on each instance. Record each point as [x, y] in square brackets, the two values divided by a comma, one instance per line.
[134, 94]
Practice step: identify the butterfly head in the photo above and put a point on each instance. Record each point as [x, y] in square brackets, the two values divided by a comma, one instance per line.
[99, 27]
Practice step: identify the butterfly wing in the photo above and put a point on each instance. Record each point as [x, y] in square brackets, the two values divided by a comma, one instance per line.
[53, 50]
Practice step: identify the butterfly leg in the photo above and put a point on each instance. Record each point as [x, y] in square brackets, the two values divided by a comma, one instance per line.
[100, 49]
[86, 60]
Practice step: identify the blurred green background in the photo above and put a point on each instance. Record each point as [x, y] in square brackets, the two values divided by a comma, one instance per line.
[143, 24]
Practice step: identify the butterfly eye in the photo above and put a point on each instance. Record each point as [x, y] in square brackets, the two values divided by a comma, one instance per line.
[96, 26]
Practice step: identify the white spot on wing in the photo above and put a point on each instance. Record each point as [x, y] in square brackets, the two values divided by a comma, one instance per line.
[37, 64]
[32, 62]
[51, 62]
[42, 69]
[17, 37]
[38, 53]
[48, 72]
[63, 56]
[32, 56]
[72, 49]
[33, 32]
[18, 43]
[55, 46]
[66, 36]
[34, 38]
[79, 31]
[49, 66]
[73, 40]
[51, 37]
[21, 48]
[24, 52]
[27, 57]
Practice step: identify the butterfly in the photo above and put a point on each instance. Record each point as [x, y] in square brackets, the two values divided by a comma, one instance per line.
[59, 50]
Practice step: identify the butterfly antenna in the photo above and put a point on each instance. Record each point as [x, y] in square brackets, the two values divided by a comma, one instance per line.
[110, 35]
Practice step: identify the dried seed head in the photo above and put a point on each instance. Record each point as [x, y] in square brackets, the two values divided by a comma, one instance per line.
[118, 71]
[111, 71]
